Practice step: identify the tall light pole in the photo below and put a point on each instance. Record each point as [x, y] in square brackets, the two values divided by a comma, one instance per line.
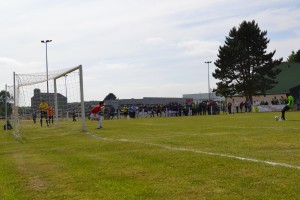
[208, 78]
[46, 42]
[66, 86]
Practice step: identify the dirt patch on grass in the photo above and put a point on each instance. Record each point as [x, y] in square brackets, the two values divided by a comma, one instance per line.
[32, 180]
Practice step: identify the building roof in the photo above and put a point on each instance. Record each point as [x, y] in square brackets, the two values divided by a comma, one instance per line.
[287, 79]
[204, 96]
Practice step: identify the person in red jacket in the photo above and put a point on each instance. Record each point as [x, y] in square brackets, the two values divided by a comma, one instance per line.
[94, 112]
[100, 114]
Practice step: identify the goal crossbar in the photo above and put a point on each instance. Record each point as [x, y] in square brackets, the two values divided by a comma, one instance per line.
[81, 94]
[28, 80]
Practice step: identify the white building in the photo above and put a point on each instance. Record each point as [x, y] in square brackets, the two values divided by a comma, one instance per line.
[203, 97]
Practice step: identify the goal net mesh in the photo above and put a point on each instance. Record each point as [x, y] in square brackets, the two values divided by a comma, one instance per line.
[62, 90]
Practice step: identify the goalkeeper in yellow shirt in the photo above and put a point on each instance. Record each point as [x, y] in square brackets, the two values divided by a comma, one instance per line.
[43, 108]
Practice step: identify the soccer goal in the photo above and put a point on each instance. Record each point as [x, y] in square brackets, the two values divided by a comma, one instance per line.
[62, 90]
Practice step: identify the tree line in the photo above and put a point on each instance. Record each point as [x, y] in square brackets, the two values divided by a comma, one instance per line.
[243, 66]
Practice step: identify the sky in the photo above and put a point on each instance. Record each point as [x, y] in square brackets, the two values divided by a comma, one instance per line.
[135, 48]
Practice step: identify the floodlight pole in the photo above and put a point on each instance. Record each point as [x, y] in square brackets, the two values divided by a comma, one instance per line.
[46, 42]
[66, 86]
[5, 108]
[208, 79]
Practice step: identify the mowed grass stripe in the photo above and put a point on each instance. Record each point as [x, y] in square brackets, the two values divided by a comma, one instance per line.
[216, 134]
[198, 152]
[64, 163]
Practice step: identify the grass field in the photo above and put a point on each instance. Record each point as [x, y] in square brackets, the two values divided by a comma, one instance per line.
[240, 156]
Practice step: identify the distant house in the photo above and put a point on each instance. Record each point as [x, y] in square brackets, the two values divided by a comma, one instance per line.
[288, 82]
[204, 97]
[287, 79]
[49, 98]
[145, 101]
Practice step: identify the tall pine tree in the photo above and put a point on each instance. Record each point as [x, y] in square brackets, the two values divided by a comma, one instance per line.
[5, 98]
[110, 96]
[294, 57]
[243, 66]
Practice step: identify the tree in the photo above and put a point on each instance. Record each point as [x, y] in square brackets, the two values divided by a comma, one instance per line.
[243, 66]
[294, 57]
[110, 96]
[3, 99]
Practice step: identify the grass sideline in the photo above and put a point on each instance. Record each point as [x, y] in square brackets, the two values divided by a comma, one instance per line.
[240, 156]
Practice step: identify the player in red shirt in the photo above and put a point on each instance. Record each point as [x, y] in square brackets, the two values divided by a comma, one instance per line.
[94, 112]
[100, 114]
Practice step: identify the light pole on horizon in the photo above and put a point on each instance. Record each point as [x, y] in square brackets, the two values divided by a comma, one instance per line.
[66, 86]
[208, 78]
[46, 42]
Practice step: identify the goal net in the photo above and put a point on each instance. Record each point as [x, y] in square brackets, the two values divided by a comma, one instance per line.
[62, 90]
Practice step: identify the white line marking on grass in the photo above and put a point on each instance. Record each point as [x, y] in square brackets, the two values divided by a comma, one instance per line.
[199, 152]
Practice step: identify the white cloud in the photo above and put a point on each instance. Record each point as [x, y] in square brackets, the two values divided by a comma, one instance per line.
[154, 41]
[135, 48]
[199, 48]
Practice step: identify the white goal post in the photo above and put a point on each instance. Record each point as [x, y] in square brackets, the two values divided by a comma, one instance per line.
[81, 94]
[64, 92]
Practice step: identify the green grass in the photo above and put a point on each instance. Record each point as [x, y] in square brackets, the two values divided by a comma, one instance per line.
[155, 158]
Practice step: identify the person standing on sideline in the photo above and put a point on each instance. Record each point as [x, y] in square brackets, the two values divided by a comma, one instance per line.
[241, 106]
[288, 106]
[100, 114]
[43, 108]
[229, 105]
[7, 125]
[34, 116]
[73, 115]
[237, 106]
